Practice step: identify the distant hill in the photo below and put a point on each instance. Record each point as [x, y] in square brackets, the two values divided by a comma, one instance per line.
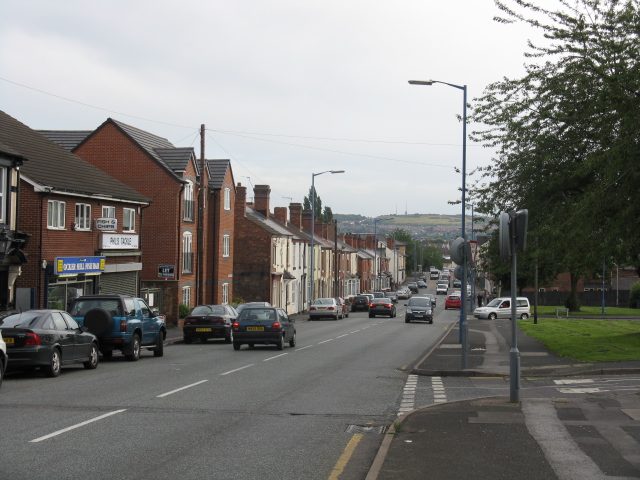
[420, 225]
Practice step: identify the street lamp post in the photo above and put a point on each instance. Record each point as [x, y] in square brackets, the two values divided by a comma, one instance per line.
[463, 309]
[375, 250]
[313, 225]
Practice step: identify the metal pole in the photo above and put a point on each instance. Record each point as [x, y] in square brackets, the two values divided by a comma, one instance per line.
[463, 303]
[604, 273]
[313, 224]
[514, 354]
[375, 254]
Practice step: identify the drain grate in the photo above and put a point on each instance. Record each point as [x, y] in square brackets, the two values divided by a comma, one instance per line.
[366, 429]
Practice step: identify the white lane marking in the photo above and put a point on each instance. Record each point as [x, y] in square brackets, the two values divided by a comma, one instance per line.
[343, 335]
[580, 390]
[277, 356]
[408, 395]
[237, 369]
[302, 348]
[355, 331]
[76, 426]
[325, 341]
[439, 395]
[570, 382]
[181, 388]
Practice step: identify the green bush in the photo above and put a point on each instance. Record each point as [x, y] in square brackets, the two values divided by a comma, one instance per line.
[634, 295]
[183, 310]
[235, 301]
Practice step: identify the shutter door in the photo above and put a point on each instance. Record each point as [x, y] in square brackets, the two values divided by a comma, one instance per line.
[124, 283]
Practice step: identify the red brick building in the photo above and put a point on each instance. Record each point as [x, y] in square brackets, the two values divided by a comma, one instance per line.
[189, 225]
[71, 252]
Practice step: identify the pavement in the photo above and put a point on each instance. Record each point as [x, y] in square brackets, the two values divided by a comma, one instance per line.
[583, 437]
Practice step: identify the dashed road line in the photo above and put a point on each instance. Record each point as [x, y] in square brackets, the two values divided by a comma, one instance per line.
[237, 369]
[277, 356]
[181, 388]
[78, 425]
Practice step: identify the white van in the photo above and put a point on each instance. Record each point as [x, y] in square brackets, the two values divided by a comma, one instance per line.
[501, 308]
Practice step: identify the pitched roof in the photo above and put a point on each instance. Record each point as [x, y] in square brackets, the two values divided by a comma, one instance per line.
[271, 226]
[177, 159]
[67, 139]
[218, 170]
[50, 165]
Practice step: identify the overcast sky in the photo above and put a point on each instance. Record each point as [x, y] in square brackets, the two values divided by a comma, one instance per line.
[286, 88]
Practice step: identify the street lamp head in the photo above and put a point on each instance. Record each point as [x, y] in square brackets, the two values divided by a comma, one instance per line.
[336, 171]
[421, 82]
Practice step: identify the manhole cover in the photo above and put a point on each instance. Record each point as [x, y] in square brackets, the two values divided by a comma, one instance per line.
[366, 429]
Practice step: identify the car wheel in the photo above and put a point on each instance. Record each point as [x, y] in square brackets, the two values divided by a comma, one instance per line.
[492, 316]
[280, 344]
[236, 345]
[524, 316]
[371, 315]
[93, 358]
[188, 340]
[135, 349]
[431, 321]
[346, 314]
[229, 338]
[159, 350]
[53, 369]
[292, 342]
[406, 320]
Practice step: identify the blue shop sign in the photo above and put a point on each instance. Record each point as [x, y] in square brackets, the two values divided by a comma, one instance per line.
[70, 266]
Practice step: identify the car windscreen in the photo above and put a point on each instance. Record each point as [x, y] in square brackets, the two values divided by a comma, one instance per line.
[20, 320]
[324, 301]
[494, 303]
[258, 314]
[208, 310]
[419, 302]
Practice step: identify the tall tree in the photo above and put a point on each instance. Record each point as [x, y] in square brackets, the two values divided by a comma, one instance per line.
[568, 133]
[317, 203]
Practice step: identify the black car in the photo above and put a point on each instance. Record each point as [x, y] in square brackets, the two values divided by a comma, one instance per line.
[209, 321]
[265, 326]
[47, 339]
[382, 306]
[419, 308]
[413, 287]
[360, 302]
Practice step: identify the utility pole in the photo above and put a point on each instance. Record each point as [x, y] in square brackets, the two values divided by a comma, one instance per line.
[200, 265]
[336, 265]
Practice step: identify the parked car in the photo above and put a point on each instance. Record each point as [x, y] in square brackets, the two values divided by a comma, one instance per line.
[3, 357]
[413, 287]
[378, 294]
[263, 326]
[209, 321]
[431, 297]
[344, 306]
[325, 307]
[47, 339]
[121, 322]
[501, 308]
[360, 302]
[421, 284]
[452, 301]
[242, 306]
[393, 296]
[404, 293]
[382, 306]
[418, 308]
[442, 289]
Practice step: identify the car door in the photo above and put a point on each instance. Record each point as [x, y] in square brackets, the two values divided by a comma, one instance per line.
[287, 326]
[82, 340]
[65, 337]
[149, 327]
[504, 311]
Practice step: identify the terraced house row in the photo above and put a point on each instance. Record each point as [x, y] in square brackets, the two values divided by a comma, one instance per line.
[120, 210]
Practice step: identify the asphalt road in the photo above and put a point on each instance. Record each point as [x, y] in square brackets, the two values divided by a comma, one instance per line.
[207, 411]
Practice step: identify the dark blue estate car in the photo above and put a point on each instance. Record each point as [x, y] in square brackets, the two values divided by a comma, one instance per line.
[263, 326]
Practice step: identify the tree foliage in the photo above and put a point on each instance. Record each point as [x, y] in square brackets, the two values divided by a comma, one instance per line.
[567, 134]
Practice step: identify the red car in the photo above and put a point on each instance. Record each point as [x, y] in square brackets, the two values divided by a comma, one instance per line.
[452, 301]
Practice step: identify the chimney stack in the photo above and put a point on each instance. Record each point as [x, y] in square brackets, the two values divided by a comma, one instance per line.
[295, 215]
[241, 200]
[280, 213]
[261, 195]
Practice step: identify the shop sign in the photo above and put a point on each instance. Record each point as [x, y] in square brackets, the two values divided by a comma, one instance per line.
[119, 241]
[166, 271]
[71, 266]
[106, 224]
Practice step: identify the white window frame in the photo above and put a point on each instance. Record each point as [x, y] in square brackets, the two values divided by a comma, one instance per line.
[108, 212]
[4, 192]
[187, 252]
[227, 198]
[129, 226]
[188, 201]
[56, 210]
[226, 245]
[225, 293]
[83, 216]
[186, 296]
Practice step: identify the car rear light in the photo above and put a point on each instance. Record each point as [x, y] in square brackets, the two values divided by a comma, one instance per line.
[32, 339]
[331, 308]
[275, 326]
[236, 326]
[123, 325]
[312, 308]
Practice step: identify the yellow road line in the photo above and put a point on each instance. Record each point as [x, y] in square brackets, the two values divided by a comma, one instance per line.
[345, 457]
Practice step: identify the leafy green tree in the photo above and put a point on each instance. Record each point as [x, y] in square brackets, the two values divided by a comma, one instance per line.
[566, 135]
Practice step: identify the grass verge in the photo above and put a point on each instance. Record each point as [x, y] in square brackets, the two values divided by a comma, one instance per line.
[616, 311]
[587, 340]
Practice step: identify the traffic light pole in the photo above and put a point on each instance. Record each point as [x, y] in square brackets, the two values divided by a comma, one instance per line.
[514, 353]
